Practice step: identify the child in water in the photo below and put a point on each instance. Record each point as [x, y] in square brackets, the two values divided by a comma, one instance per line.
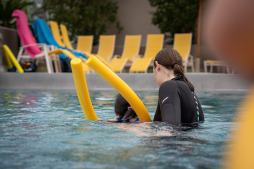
[126, 115]
[124, 111]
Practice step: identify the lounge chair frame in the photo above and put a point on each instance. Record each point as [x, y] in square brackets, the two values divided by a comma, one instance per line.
[213, 63]
[44, 55]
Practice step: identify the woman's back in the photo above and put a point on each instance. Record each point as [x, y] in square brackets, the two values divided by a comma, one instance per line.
[178, 104]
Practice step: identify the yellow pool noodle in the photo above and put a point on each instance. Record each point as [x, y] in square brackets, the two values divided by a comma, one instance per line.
[8, 60]
[241, 148]
[69, 55]
[120, 86]
[8, 53]
[82, 90]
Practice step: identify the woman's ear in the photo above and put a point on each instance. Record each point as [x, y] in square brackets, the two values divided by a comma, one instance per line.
[158, 66]
[117, 114]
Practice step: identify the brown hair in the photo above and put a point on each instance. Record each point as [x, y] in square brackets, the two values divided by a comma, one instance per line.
[171, 59]
[124, 109]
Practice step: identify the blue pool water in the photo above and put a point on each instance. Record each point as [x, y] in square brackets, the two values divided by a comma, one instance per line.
[47, 129]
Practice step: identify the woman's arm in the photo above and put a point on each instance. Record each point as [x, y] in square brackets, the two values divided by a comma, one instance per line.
[157, 116]
[170, 105]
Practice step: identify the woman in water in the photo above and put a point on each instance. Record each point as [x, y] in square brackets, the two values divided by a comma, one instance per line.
[178, 104]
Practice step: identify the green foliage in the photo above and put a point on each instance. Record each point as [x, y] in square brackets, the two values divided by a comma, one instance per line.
[83, 17]
[6, 9]
[175, 16]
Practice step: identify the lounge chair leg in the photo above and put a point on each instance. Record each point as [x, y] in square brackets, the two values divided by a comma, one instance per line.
[205, 66]
[19, 54]
[185, 68]
[48, 60]
[55, 64]
[227, 69]
[48, 64]
[59, 64]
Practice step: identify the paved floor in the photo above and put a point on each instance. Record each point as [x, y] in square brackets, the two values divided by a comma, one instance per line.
[201, 81]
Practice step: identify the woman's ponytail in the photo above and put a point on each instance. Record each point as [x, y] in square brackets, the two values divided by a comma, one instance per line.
[188, 83]
[178, 70]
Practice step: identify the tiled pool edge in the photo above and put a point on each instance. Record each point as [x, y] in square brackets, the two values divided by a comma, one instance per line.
[64, 81]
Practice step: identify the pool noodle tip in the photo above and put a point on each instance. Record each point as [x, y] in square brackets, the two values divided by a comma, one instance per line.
[82, 90]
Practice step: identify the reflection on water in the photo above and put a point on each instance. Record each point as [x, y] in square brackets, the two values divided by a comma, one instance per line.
[47, 129]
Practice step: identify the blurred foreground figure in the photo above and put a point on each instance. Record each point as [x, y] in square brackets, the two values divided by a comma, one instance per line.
[230, 34]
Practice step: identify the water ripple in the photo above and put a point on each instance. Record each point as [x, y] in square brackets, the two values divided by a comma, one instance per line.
[47, 129]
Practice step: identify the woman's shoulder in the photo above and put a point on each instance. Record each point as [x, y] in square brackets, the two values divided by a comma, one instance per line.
[169, 83]
[167, 86]
[173, 83]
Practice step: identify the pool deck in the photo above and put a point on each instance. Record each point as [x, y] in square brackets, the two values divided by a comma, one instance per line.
[64, 81]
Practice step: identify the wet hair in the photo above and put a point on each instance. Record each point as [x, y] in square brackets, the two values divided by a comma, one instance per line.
[124, 109]
[172, 60]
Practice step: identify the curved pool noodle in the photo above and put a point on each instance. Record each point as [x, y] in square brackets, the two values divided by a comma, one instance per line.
[120, 86]
[8, 53]
[241, 150]
[82, 90]
[69, 55]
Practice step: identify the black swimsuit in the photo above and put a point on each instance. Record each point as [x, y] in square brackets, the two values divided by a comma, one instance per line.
[178, 105]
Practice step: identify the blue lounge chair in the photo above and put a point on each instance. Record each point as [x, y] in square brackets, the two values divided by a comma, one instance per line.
[45, 36]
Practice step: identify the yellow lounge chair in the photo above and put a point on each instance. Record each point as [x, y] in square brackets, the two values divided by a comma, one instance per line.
[154, 44]
[213, 63]
[55, 31]
[182, 44]
[106, 47]
[66, 40]
[85, 43]
[130, 51]
[65, 36]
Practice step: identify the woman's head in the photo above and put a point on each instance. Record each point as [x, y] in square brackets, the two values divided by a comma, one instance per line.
[170, 59]
[169, 62]
[123, 109]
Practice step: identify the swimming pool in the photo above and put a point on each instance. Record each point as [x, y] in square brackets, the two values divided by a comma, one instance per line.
[47, 129]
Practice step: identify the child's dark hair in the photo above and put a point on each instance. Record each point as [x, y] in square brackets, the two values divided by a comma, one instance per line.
[124, 109]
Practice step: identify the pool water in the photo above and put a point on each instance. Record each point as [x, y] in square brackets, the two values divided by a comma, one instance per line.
[47, 129]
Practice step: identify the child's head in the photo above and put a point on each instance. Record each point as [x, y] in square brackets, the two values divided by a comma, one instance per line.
[124, 110]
